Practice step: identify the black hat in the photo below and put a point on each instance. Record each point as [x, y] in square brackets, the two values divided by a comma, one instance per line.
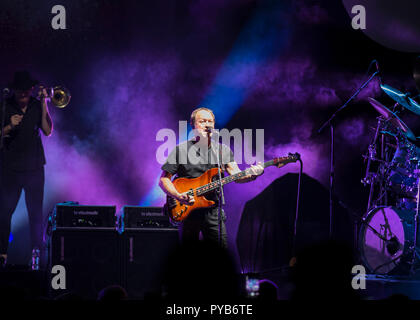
[22, 80]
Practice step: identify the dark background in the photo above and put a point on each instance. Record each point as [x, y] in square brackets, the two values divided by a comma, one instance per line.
[135, 67]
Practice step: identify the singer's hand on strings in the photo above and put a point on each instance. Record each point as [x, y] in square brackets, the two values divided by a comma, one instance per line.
[256, 170]
[185, 198]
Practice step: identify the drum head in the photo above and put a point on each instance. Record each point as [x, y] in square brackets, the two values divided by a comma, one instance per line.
[382, 256]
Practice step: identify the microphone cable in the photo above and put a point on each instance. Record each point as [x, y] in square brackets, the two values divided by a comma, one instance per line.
[297, 206]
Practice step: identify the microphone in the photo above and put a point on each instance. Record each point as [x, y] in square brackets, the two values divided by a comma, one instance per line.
[209, 129]
[6, 91]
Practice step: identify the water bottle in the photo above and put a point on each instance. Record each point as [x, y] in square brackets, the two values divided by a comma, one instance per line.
[35, 258]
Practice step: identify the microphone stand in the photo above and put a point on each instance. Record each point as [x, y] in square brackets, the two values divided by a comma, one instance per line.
[220, 188]
[330, 123]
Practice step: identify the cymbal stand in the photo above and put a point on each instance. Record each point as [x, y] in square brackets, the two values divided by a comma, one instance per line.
[329, 123]
[384, 157]
[370, 177]
[416, 218]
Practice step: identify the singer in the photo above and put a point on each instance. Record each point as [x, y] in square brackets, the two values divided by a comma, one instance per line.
[208, 151]
[22, 158]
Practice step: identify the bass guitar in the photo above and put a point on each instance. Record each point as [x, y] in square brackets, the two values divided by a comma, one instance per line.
[207, 182]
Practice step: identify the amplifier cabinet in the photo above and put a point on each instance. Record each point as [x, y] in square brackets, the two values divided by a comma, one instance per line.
[143, 217]
[145, 255]
[77, 216]
[91, 258]
[96, 258]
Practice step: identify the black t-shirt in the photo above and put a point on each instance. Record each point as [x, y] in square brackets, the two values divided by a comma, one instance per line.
[189, 160]
[23, 148]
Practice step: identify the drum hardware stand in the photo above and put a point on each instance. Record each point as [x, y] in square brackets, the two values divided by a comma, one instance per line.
[369, 177]
[330, 123]
[413, 248]
[372, 178]
[384, 157]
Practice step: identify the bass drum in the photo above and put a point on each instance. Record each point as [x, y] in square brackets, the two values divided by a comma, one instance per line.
[387, 251]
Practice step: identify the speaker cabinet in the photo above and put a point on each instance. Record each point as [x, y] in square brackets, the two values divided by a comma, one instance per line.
[91, 258]
[96, 258]
[145, 254]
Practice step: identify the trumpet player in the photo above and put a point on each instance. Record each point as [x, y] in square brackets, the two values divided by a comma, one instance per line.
[22, 158]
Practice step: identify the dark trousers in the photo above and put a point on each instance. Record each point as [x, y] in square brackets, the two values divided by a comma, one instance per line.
[206, 221]
[11, 185]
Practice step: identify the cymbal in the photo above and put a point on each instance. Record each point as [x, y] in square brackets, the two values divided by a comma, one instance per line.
[401, 98]
[414, 104]
[392, 117]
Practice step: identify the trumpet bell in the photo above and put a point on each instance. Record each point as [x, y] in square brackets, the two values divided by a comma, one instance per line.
[60, 96]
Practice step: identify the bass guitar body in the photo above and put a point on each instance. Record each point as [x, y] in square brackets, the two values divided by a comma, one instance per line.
[178, 211]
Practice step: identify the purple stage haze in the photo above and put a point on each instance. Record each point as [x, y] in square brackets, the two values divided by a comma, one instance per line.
[135, 67]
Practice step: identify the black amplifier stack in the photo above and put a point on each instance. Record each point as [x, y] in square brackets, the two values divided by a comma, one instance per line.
[73, 215]
[134, 217]
[99, 248]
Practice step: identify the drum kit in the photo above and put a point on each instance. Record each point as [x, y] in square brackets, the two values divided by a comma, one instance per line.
[389, 243]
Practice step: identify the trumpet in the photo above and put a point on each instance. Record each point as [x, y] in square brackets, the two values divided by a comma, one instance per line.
[59, 95]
